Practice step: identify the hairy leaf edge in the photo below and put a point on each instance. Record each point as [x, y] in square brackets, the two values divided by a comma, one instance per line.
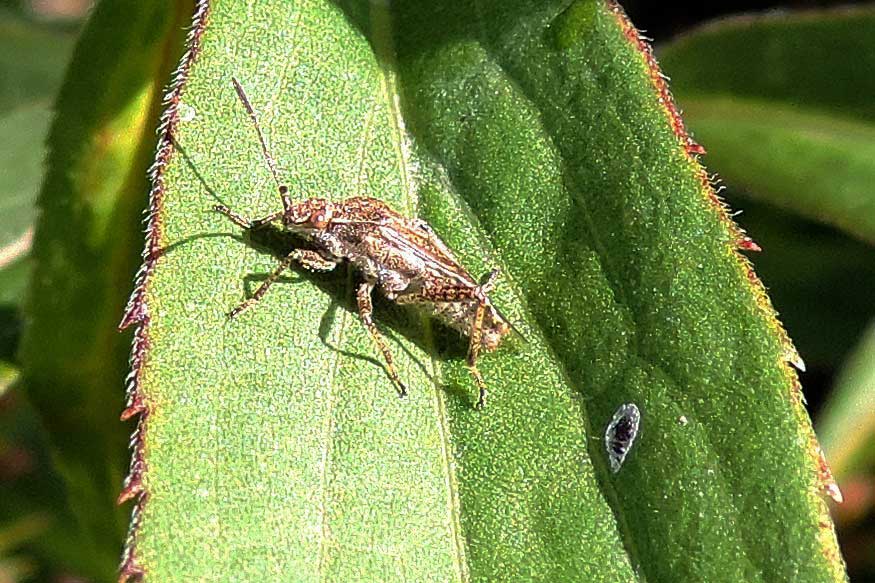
[822, 475]
[136, 312]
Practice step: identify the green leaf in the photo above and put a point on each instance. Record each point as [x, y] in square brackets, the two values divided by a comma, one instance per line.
[536, 139]
[21, 159]
[32, 59]
[847, 425]
[85, 250]
[13, 281]
[783, 105]
[8, 375]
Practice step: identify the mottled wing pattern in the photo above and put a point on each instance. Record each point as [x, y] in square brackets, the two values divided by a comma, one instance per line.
[411, 236]
[430, 250]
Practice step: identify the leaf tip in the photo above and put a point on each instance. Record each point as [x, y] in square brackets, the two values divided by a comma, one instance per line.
[131, 575]
[135, 310]
[130, 572]
[136, 407]
[131, 490]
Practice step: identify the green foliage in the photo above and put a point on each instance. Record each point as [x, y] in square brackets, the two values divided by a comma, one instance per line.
[533, 139]
[847, 427]
[16, 568]
[32, 60]
[21, 157]
[85, 252]
[783, 105]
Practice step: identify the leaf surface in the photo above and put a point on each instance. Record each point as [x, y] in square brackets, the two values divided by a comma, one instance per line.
[533, 139]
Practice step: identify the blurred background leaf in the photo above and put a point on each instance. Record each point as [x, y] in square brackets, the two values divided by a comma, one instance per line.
[35, 538]
[786, 116]
[847, 425]
[847, 431]
[84, 254]
[784, 104]
[32, 61]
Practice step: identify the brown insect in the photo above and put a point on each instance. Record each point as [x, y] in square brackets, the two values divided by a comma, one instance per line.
[400, 256]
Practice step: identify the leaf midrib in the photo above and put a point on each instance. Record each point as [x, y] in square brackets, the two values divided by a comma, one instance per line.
[385, 54]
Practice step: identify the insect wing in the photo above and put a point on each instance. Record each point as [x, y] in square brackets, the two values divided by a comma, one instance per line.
[429, 249]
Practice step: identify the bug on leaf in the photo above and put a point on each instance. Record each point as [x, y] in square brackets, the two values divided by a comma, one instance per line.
[401, 257]
[621, 433]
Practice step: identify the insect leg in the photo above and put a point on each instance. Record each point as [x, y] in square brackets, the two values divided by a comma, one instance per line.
[242, 221]
[312, 260]
[474, 352]
[262, 289]
[363, 297]
[477, 334]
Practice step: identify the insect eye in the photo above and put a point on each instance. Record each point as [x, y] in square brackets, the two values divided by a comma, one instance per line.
[319, 219]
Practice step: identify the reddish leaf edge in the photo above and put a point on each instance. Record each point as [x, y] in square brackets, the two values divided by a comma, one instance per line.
[823, 477]
[136, 312]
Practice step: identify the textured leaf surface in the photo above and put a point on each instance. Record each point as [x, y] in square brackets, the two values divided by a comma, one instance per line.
[532, 138]
[84, 251]
[783, 105]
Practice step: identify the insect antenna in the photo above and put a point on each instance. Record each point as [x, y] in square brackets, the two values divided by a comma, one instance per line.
[510, 323]
[271, 163]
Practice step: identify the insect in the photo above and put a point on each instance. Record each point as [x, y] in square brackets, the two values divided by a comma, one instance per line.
[401, 257]
[621, 433]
